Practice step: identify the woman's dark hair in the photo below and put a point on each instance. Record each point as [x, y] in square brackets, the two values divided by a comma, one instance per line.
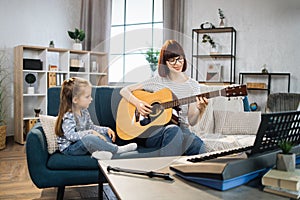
[170, 49]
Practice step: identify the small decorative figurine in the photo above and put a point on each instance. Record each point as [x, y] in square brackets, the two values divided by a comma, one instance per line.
[264, 69]
[37, 112]
[51, 44]
[253, 106]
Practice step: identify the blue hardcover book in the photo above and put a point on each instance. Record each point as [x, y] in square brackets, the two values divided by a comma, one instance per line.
[225, 184]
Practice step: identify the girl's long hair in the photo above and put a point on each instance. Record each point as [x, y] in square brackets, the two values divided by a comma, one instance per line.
[71, 88]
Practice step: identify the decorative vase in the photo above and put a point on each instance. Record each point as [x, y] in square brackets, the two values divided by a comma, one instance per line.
[153, 68]
[94, 66]
[2, 136]
[222, 23]
[77, 46]
[215, 48]
[286, 162]
[30, 90]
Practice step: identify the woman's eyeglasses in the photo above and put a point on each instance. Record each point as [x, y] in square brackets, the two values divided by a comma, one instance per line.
[174, 60]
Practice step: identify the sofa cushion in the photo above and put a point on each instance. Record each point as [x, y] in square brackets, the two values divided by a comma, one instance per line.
[59, 161]
[218, 142]
[48, 124]
[207, 124]
[240, 123]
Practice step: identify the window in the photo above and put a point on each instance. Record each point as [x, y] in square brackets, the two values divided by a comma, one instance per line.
[136, 26]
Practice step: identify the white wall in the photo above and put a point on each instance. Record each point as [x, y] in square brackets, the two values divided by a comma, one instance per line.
[36, 22]
[267, 33]
[267, 30]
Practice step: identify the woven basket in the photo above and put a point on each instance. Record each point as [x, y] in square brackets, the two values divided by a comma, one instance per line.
[2, 136]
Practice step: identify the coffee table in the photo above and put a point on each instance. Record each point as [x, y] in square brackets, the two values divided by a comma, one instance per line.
[131, 186]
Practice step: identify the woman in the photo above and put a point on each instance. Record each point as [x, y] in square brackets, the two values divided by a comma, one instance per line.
[172, 139]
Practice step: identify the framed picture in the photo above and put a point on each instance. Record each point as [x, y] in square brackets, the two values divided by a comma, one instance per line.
[214, 72]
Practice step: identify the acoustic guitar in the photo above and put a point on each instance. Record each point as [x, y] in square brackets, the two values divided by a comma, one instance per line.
[130, 124]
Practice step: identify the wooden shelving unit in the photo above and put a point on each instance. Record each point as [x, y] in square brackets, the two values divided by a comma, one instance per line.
[25, 103]
[226, 38]
[268, 76]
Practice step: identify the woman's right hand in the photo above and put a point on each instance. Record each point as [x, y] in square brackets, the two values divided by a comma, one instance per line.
[143, 108]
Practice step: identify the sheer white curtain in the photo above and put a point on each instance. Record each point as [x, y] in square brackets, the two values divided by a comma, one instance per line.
[173, 15]
[96, 22]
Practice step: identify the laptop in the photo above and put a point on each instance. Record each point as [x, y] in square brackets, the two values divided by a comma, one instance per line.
[232, 168]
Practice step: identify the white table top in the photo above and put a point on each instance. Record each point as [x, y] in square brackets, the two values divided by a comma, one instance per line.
[130, 186]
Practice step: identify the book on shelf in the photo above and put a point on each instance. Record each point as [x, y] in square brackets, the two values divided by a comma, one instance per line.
[282, 179]
[59, 79]
[282, 192]
[51, 79]
[55, 79]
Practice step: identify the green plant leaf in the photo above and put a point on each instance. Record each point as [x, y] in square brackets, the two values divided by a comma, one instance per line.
[72, 35]
[207, 38]
[81, 35]
[285, 146]
[152, 58]
[77, 35]
[76, 32]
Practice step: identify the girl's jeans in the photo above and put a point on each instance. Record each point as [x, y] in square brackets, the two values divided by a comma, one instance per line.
[89, 144]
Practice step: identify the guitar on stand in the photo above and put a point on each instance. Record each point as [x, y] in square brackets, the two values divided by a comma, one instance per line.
[130, 124]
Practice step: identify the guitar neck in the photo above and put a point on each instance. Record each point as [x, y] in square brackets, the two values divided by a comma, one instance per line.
[192, 99]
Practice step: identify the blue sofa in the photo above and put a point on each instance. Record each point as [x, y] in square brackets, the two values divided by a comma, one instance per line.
[58, 170]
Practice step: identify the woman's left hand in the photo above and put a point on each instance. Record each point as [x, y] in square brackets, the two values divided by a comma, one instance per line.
[111, 134]
[202, 103]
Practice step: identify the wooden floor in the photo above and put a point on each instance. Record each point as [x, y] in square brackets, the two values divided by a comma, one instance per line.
[15, 182]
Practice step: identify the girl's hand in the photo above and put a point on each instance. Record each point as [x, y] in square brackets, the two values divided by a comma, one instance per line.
[99, 135]
[202, 102]
[111, 134]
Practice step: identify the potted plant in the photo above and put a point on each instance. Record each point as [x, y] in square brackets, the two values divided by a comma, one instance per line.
[152, 58]
[286, 161]
[206, 38]
[51, 44]
[30, 79]
[78, 36]
[222, 17]
[4, 75]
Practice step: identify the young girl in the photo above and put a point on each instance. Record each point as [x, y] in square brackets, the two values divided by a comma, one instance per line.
[77, 134]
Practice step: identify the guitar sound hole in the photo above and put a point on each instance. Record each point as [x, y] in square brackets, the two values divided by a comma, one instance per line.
[157, 110]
